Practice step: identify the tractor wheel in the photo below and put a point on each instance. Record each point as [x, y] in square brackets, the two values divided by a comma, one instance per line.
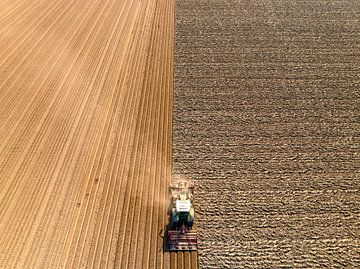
[191, 217]
[175, 218]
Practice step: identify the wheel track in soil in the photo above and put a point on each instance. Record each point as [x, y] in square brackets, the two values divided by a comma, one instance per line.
[86, 101]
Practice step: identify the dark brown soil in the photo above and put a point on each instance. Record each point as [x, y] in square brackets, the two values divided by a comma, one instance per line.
[267, 123]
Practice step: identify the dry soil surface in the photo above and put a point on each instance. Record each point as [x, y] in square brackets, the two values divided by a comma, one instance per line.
[267, 122]
[85, 138]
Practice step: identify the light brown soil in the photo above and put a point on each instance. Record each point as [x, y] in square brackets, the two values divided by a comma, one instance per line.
[266, 121]
[85, 138]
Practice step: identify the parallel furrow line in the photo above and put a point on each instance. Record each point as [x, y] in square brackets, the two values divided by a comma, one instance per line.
[120, 248]
[33, 61]
[9, 89]
[82, 113]
[15, 14]
[94, 171]
[41, 123]
[123, 145]
[13, 48]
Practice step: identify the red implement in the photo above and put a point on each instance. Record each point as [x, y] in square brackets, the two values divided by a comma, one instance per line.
[182, 239]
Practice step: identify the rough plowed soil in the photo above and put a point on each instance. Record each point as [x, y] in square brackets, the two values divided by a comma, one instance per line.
[86, 129]
[267, 123]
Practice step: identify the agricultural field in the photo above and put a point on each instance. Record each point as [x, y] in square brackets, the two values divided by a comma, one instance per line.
[86, 134]
[267, 124]
[265, 120]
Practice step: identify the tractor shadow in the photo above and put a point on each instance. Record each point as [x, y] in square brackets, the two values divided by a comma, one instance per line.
[164, 233]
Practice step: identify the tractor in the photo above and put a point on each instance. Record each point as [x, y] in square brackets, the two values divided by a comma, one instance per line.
[181, 235]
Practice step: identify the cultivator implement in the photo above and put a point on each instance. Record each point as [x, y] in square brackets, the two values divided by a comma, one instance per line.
[182, 240]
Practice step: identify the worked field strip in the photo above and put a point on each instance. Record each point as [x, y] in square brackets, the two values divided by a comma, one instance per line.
[266, 122]
[86, 134]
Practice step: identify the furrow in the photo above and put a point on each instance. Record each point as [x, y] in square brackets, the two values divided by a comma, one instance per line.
[95, 97]
[13, 100]
[124, 144]
[85, 152]
[31, 64]
[69, 140]
[39, 125]
[91, 188]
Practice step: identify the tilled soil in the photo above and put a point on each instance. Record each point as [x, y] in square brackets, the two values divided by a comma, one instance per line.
[267, 123]
[85, 137]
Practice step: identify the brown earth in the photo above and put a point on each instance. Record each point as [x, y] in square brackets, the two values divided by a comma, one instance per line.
[85, 138]
[267, 123]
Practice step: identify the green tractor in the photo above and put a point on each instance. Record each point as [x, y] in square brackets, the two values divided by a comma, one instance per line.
[181, 235]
